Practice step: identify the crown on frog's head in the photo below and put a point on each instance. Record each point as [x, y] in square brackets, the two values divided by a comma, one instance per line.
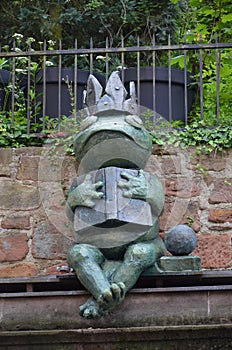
[114, 98]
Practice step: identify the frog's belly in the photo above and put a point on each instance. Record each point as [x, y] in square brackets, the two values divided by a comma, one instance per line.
[115, 220]
[103, 237]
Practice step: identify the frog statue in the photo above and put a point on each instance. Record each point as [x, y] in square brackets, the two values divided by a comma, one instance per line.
[114, 204]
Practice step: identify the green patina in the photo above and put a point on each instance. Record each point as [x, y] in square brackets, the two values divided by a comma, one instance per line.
[115, 205]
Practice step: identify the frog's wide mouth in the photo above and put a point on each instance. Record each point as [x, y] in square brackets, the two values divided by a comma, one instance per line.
[106, 148]
[110, 128]
[102, 136]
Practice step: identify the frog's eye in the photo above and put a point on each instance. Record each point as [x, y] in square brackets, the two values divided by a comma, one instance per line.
[87, 122]
[134, 120]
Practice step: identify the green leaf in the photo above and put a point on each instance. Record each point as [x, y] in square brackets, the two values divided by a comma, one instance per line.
[226, 18]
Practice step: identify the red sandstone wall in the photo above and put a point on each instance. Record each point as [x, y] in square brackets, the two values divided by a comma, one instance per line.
[35, 233]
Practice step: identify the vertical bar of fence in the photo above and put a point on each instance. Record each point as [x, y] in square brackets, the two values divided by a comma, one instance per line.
[59, 84]
[28, 93]
[217, 83]
[122, 60]
[169, 81]
[185, 85]
[13, 87]
[138, 74]
[91, 57]
[107, 60]
[201, 82]
[74, 107]
[44, 85]
[154, 79]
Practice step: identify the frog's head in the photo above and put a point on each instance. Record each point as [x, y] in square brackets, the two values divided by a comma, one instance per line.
[112, 134]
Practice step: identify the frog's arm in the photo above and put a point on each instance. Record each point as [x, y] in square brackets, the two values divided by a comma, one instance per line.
[145, 187]
[82, 195]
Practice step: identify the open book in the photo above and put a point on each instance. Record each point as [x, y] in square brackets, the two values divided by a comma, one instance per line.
[113, 208]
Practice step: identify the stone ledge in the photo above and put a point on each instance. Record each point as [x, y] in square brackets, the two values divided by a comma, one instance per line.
[41, 313]
[199, 337]
[142, 307]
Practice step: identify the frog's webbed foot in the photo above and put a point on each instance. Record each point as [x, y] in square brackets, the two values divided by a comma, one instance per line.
[113, 296]
[90, 309]
[93, 309]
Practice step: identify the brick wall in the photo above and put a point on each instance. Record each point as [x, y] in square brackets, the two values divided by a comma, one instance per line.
[35, 233]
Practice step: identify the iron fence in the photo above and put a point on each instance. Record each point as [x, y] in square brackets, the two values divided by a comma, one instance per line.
[177, 81]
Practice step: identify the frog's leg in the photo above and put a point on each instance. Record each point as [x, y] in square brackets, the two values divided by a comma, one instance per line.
[138, 258]
[86, 260]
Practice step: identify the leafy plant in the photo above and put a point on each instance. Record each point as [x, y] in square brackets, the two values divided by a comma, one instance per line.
[198, 135]
[207, 22]
[15, 135]
[67, 20]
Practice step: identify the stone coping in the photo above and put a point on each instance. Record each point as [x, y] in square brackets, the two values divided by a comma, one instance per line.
[159, 306]
[41, 312]
[197, 337]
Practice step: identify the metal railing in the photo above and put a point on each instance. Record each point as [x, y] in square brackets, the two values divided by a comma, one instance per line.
[29, 73]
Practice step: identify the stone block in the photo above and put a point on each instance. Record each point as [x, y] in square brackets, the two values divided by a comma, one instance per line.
[208, 162]
[23, 269]
[16, 221]
[49, 243]
[50, 168]
[69, 169]
[225, 228]
[17, 196]
[180, 263]
[13, 247]
[28, 168]
[5, 161]
[28, 151]
[222, 191]
[214, 250]
[167, 150]
[180, 211]
[171, 165]
[220, 215]
[183, 187]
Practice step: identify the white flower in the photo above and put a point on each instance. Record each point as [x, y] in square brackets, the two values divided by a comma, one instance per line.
[103, 58]
[17, 36]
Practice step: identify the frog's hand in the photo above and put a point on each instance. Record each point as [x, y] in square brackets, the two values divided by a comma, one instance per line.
[84, 194]
[135, 187]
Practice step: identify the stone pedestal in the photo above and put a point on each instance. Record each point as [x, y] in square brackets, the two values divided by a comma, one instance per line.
[180, 263]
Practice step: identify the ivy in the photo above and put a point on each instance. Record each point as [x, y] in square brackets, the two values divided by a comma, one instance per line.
[205, 139]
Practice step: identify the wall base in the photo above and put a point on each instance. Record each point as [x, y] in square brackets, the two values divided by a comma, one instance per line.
[200, 337]
[45, 316]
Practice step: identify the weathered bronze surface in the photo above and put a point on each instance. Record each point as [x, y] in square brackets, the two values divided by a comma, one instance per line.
[115, 205]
